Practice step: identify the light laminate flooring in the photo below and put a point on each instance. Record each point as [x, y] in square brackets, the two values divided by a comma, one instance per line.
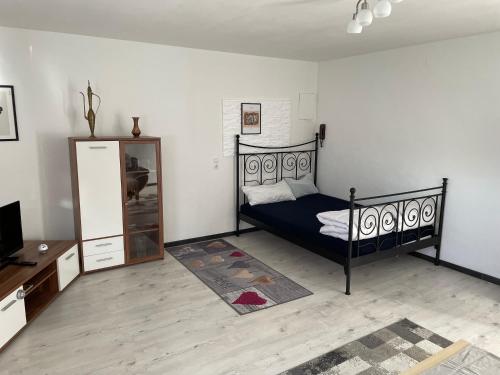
[158, 318]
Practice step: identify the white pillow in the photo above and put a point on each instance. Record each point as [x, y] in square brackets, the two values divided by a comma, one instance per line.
[302, 187]
[262, 194]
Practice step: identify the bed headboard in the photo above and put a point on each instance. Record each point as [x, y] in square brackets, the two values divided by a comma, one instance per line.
[260, 165]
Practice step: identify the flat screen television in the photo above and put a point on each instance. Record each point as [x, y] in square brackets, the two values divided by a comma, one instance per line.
[11, 233]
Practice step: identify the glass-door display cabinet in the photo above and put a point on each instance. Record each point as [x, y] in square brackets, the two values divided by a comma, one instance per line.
[117, 200]
[142, 199]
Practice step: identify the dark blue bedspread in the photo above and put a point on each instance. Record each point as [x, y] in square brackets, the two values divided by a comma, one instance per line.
[299, 217]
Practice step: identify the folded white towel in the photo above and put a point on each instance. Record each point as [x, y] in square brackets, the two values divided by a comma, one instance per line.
[337, 218]
[337, 222]
[329, 230]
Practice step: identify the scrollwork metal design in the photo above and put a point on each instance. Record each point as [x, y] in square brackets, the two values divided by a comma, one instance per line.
[411, 214]
[252, 164]
[304, 161]
[419, 212]
[269, 167]
[429, 207]
[389, 218]
[289, 161]
[382, 218]
[367, 221]
[269, 163]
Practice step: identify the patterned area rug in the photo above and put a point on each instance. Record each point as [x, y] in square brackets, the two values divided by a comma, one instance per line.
[245, 283]
[388, 351]
[469, 361]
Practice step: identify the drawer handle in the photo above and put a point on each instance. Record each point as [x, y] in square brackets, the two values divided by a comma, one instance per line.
[69, 256]
[22, 293]
[6, 307]
[98, 147]
[104, 259]
[104, 244]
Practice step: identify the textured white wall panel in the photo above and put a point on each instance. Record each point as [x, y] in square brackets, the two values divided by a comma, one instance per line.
[275, 118]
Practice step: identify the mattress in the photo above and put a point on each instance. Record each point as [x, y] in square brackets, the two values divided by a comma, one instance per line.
[299, 219]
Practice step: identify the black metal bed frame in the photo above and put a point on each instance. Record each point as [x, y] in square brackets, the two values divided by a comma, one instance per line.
[416, 222]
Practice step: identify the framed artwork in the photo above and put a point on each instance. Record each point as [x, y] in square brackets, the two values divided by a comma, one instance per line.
[251, 118]
[8, 119]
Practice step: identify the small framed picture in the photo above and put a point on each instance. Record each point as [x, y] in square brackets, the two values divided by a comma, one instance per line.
[250, 118]
[8, 119]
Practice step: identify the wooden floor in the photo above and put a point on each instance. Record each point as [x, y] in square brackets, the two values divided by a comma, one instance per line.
[158, 318]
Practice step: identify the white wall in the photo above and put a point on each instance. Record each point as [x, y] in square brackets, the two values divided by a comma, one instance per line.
[404, 118]
[178, 94]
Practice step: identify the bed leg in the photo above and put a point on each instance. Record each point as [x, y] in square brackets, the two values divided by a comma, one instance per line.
[347, 266]
[237, 231]
[237, 206]
[437, 259]
[347, 271]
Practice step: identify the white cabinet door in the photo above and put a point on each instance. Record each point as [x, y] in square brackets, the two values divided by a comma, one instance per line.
[68, 267]
[99, 184]
[12, 316]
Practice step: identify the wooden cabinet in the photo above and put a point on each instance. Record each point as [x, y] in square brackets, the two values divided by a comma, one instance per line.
[117, 195]
[12, 316]
[26, 291]
[68, 267]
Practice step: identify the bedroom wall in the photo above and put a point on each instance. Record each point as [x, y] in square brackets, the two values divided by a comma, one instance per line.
[177, 92]
[405, 118]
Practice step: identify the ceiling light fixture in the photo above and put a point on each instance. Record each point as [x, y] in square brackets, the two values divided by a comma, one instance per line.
[354, 27]
[364, 17]
[382, 9]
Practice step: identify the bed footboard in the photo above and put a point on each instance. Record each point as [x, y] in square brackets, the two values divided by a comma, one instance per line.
[383, 226]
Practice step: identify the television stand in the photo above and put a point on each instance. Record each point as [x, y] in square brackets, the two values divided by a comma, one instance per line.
[15, 262]
[26, 291]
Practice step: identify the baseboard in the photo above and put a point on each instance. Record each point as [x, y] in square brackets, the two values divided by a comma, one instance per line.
[207, 238]
[443, 263]
[455, 267]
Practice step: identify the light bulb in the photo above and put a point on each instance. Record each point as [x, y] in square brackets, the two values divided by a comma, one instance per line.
[382, 9]
[365, 15]
[353, 27]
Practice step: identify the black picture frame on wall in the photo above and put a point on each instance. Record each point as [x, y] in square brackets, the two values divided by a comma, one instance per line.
[251, 118]
[8, 116]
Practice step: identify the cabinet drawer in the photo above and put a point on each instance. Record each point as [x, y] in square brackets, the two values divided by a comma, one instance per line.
[106, 245]
[68, 267]
[95, 262]
[12, 316]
